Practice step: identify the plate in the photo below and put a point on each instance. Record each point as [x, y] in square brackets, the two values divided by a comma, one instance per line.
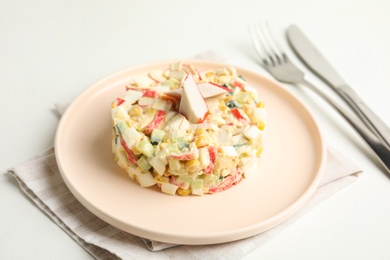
[285, 176]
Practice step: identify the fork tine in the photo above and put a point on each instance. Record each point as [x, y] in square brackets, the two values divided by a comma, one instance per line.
[273, 58]
[263, 33]
[268, 48]
[276, 46]
[258, 43]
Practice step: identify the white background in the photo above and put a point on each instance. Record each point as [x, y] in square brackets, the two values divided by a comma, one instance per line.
[50, 51]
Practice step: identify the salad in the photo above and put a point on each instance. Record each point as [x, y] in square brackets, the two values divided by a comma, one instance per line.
[188, 131]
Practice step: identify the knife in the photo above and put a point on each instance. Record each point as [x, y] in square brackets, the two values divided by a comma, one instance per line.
[313, 59]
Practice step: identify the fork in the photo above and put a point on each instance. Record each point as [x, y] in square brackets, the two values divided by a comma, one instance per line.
[275, 60]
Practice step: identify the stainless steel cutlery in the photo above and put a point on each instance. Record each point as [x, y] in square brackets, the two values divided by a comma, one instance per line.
[275, 60]
[314, 60]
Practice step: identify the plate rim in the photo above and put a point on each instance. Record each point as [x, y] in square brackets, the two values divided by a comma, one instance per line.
[194, 239]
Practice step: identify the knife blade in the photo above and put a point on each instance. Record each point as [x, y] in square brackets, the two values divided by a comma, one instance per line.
[316, 62]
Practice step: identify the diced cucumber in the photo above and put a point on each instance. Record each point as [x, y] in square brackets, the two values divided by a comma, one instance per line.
[209, 179]
[122, 126]
[157, 136]
[242, 97]
[182, 143]
[172, 148]
[197, 184]
[130, 134]
[169, 188]
[174, 164]
[146, 148]
[159, 162]
[143, 164]
[146, 179]
[184, 181]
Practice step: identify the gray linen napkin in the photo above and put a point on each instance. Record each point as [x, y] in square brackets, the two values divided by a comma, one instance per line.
[40, 179]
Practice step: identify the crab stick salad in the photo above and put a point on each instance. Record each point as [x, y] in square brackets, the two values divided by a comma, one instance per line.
[189, 131]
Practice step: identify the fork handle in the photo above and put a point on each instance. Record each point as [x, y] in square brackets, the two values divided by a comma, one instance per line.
[381, 150]
[369, 118]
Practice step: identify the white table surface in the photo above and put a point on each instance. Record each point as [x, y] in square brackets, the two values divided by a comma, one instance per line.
[50, 51]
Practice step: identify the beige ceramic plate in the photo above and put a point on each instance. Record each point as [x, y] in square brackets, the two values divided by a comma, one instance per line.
[286, 175]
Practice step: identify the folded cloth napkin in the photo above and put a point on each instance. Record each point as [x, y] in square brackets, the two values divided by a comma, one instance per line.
[40, 179]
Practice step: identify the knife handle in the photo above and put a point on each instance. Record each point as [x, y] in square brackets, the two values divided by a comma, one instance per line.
[381, 150]
[368, 117]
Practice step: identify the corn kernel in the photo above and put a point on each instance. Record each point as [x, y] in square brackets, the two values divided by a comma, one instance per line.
[260, 105]
[248, 109]
[161, 179]
[193, 165]
[200, 131]
[259, 150]
[227, 98]
[136, 150]
[202, 140]
[222, 105]
[135, 111]
[261, 126]
[183, 192]
[210, 74]
[232, 71]
[150, 110]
